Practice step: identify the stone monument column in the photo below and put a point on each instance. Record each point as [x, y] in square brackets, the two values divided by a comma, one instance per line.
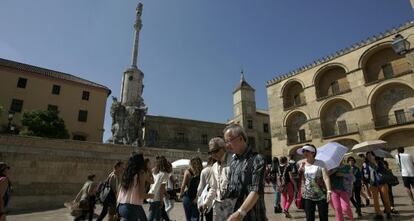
[128, 114]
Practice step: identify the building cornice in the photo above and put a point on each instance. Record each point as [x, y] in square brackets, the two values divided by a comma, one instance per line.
[340, 53]
[50, 73]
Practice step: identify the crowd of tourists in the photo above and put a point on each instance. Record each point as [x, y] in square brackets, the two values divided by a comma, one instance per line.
[309, 184]
[231, 186]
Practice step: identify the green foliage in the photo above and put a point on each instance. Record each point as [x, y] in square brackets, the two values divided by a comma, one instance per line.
[44, 123]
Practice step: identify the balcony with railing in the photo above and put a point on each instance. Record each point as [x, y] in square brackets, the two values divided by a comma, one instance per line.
[397, 119]
[293, 103]
[338, 128]
[335, 88]
[297, 138]
[388, 71]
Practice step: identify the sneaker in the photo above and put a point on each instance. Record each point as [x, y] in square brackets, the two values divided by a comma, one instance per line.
[278, 210]
[378, 217]
[394, 211]
[389, 216]
[287, 214]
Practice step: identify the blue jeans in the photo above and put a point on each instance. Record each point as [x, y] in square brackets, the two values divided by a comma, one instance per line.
[130, 212]
[190, 209]
[154, 211]
[276, 202]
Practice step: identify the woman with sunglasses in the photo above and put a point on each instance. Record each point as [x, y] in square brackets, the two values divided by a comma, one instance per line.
[4, 188]
[316, 188]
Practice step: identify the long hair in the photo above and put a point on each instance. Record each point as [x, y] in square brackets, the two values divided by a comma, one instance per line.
[161, 165]
[275, 164]
[196, 165]
[3, 167]
[135, 164]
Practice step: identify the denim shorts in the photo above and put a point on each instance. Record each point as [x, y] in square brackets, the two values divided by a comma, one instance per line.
[131, 212]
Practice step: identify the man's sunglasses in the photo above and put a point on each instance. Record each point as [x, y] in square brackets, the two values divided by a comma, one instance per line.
[213, 151]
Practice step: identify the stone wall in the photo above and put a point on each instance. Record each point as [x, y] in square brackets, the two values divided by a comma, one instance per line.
[46, 172]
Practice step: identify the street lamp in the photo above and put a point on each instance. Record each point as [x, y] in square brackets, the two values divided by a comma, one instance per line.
[10, 127]
[400, 44]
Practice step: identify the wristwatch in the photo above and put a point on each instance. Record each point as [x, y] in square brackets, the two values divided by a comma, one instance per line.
[242, 212]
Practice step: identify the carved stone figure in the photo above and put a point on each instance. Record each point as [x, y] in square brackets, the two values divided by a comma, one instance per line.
[127, 123]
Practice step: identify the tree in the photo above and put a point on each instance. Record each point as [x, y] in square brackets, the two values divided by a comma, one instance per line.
[44, 123]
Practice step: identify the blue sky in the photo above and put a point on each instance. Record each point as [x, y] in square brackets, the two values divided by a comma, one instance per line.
[191, 51]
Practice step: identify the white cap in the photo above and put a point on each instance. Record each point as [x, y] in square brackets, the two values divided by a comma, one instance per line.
[306, 147]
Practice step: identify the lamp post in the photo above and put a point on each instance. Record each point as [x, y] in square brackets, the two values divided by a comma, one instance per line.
[10, 127]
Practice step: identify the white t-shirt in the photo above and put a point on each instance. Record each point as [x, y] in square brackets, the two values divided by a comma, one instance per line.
[407, 167]
[159, 178]
[170, 184]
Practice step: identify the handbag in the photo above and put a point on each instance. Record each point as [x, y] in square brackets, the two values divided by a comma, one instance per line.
[389, 178]
[299, 199]
[83, 204]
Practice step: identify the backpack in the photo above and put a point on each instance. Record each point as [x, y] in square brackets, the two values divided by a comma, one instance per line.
[105, 194]
[281, 180]
[6, 196]
[192, 186]
[295, 170]
[273, 176]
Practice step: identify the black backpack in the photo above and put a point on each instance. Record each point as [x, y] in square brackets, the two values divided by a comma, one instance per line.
[103, 195]
[6, 196]
[192, 186]
[295, 170]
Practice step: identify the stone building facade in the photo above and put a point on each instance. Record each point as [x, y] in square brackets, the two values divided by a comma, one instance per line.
[194, 135]
[184, 134]
[255, 121]
[364, 92]
[81, 103]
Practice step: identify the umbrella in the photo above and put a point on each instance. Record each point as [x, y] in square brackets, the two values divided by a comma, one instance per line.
[332, 154]
[369, 145]
[382, 153]
[183, 163]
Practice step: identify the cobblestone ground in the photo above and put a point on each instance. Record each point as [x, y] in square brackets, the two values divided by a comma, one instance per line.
[402, 201]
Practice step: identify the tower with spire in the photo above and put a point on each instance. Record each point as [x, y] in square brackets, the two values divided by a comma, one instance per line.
[128, 114]
[254, 120]
[244, 101]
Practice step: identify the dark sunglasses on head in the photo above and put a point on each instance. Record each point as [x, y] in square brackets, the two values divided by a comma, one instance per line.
[213, 151]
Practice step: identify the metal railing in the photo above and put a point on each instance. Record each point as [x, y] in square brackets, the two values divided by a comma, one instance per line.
[398, 69]
[338, 128]
[342, 88]
[398, 118]
[294, 139]
[291, 103]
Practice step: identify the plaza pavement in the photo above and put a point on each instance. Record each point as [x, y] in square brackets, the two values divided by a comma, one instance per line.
[402, 201]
